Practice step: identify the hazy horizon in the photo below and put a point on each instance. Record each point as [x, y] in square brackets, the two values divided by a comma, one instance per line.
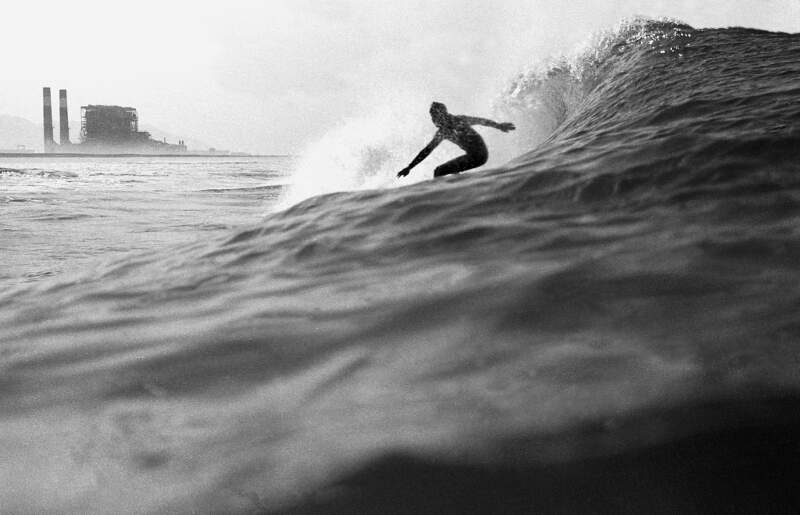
[274, 77]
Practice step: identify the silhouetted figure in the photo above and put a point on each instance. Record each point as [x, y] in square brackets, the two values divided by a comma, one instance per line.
[456, 128]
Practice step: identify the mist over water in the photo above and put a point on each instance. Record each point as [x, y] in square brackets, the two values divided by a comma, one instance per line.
[366, 152]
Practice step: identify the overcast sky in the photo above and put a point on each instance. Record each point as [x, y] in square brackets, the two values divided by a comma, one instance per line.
[272, 76]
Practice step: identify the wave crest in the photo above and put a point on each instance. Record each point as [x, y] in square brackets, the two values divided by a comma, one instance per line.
[544, 96]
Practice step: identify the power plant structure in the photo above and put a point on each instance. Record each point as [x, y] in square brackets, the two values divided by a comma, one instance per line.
[105, 129]
[63, 117]
[49, 143]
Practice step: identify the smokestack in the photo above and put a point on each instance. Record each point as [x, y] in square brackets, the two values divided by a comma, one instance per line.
[48, 121]
[63, 117]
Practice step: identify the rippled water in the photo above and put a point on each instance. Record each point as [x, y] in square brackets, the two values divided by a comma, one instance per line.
[59, 215]
[608, 323]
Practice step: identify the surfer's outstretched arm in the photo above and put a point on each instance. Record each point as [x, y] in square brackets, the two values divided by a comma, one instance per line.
[474, 120]
[425, 152]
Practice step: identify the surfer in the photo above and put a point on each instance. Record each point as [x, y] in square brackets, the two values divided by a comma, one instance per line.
[456, 128]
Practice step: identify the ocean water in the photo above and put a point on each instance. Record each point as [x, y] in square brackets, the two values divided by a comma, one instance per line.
[60, 214]
[607, 323]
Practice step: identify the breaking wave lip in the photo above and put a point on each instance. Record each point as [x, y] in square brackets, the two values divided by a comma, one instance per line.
[620, 123]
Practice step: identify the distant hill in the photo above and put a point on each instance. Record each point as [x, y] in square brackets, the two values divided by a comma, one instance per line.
[16, 132]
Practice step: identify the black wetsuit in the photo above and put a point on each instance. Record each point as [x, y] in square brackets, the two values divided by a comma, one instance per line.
[459, 131]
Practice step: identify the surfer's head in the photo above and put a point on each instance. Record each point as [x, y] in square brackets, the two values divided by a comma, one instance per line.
[438, 112]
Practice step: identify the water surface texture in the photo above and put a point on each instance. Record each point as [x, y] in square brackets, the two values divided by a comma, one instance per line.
[608, 323]
[60, 214]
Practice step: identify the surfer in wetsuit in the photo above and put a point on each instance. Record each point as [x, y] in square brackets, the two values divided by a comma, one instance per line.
[456, 128]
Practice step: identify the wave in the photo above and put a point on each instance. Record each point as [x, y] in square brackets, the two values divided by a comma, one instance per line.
[654, 114]
[640, 108]
[628, 282]
[545, 95]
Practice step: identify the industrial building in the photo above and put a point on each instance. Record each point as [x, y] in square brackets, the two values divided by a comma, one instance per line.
[105, 129]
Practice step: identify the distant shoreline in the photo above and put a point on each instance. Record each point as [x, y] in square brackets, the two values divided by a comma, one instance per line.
[73, 154]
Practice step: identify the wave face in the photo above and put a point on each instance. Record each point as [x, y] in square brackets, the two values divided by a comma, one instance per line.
[631, 281]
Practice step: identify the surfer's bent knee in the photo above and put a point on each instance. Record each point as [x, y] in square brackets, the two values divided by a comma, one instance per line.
[460, 164]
